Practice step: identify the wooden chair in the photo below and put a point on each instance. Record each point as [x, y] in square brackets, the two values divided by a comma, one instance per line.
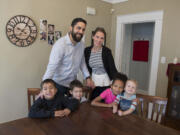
[154, 105]
[32, 93]
[87, 92]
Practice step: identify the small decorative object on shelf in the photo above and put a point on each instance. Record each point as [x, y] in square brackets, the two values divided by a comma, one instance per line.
[175, 60]
[21, 30]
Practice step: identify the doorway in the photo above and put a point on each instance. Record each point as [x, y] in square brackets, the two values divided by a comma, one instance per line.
[128, 24]
[138, 35]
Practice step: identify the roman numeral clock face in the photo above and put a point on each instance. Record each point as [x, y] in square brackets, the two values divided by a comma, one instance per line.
[21, 30]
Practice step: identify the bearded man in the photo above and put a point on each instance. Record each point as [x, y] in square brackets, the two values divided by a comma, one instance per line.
[67, 57]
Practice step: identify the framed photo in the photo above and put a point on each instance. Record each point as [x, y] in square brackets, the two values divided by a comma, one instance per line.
[50, 39]
[43, 29]
[58, 35]
[51, 28]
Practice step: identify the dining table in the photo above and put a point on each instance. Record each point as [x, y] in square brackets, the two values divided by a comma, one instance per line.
[86, 120]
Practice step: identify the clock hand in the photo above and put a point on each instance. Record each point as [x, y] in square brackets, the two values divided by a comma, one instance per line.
[26, 25]
[19, 28]
[24, 28]
[23, 31]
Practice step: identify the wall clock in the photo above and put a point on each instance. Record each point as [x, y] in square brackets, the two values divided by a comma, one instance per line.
[21, 30]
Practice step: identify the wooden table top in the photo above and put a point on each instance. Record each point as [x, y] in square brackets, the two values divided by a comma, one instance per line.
[87, 120]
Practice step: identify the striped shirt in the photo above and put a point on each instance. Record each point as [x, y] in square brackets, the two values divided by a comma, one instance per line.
[95, 62]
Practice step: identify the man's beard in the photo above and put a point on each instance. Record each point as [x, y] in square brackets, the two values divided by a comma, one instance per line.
[74, 36]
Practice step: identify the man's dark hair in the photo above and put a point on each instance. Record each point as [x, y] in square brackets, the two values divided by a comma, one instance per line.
[120, 76]
[48, 81]
[76, 20]
[75, 83]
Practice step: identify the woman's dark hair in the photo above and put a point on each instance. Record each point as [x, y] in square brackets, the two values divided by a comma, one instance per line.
[98, 29]
[48, 81]
[76, 20]
[75, 83]
[120, 76]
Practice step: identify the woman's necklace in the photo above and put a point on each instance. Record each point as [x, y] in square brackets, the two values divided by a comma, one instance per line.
[96, 49]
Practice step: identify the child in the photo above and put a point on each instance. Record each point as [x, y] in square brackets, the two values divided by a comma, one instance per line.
[109, 95]
[76, 90]
[127, 99]
[53, 104]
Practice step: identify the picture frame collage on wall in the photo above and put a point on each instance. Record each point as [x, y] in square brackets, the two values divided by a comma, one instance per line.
[47, 32]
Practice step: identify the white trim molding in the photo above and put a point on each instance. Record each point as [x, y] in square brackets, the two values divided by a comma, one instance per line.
[114, 1]
[157, 17]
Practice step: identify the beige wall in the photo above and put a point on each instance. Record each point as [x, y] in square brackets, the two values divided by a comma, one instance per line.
[170, 44]
[21, 68]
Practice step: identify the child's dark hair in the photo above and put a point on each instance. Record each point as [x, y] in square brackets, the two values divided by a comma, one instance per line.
[121, 77]
[48, 81]
[75, 83]
[76, 20]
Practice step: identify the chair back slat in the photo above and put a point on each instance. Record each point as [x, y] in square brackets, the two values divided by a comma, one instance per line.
[154, 105]
[146, 109]
[159, 112]
[33, 98]
[153, 111]
[142, 107]
[87, 92]
[31, 94]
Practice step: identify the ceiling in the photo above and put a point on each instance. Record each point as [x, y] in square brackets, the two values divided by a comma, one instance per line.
[114, 1]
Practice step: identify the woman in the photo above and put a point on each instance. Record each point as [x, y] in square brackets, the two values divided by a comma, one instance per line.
[99, 59]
